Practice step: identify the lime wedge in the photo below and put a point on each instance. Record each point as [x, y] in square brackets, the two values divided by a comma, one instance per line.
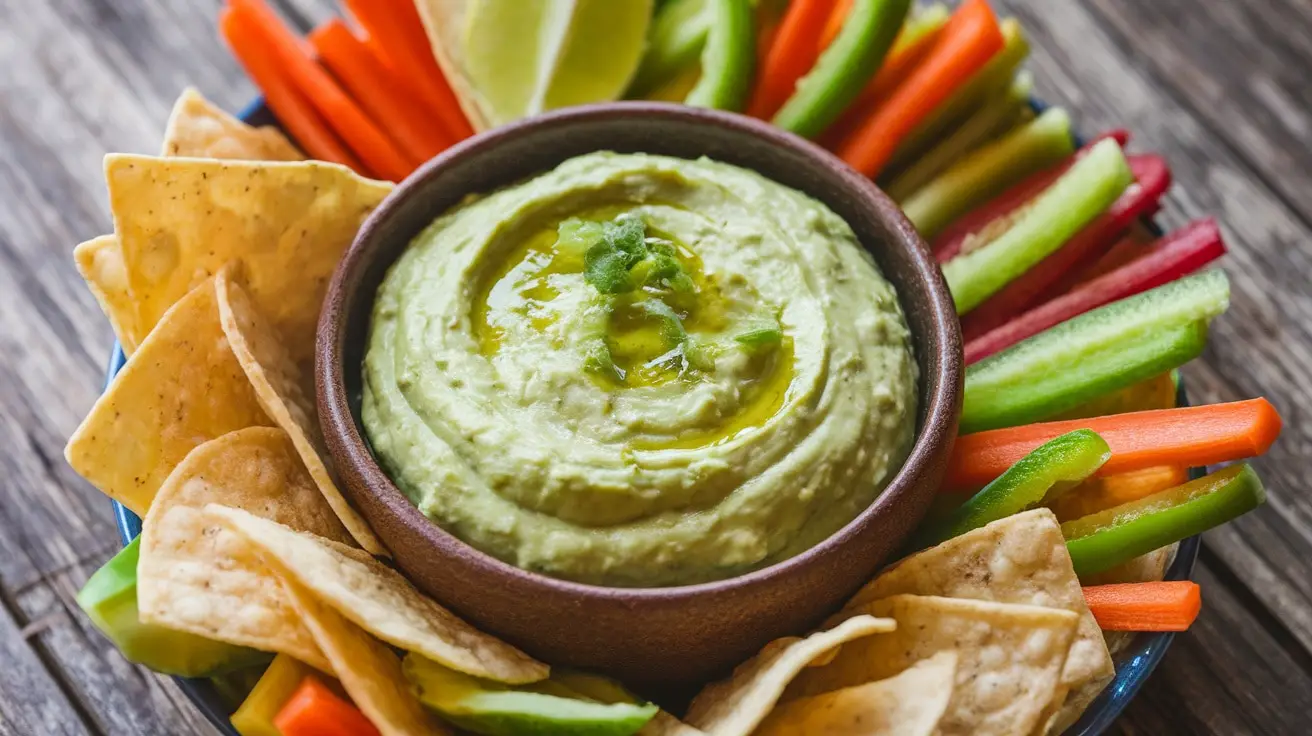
[524, 57]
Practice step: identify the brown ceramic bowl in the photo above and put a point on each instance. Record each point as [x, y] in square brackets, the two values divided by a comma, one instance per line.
[658, 638]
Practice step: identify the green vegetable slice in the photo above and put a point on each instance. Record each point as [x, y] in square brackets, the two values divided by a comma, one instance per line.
[1086, 190]
[674, 42]
[1041, 476]
[844, 67]
[1037, 145]
[1109, 538]
[728, 57]
[1100, 351]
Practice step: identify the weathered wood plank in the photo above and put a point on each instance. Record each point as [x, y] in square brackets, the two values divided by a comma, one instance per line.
[1242, 68]
[1264, 344]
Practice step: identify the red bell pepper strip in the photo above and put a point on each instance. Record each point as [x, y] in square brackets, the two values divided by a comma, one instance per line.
[1174, 256]
[1189, 436]
[1151, 179]
[947, 244]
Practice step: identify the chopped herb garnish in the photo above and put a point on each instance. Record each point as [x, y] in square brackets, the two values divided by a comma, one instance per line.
[759, 331]
[671, 323]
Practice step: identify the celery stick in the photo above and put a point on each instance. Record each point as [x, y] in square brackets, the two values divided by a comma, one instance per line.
[1039, 144]
[990, 80]
[1100, 351]
[674, 43]
[1087, 189]
[996, 117]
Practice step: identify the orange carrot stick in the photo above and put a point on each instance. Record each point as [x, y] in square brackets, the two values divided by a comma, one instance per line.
[398, 31]
[792, 54]
[315, 710]
[378, 90]
[1100, 494]
[1165, 605]
[296, 114]
[373, 146]
[834, 24]
[970, 38]
[1188, 437]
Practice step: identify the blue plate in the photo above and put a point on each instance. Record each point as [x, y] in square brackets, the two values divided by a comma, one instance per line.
[1133, 664]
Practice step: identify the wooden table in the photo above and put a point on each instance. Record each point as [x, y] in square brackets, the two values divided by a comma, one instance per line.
[1222, 89]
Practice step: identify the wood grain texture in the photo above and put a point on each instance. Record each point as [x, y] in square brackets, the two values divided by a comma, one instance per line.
[1224, 90]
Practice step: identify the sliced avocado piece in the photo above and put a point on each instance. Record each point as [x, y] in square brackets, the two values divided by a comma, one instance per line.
[495, 709]
[110, 599]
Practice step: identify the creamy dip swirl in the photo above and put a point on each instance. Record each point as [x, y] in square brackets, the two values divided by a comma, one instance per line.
[688, 454]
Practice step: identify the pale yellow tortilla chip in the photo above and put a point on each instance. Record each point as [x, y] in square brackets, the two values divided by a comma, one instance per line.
[100, 262]
[1010, 659]
[1020, 559]
[908, 704]
[383, 602]
[734, 707]
[195, 575]
[198, 129]
[183, 387]
[369, 671]
[664, 724]
[281, 389]
[179, 220]
[444, 21]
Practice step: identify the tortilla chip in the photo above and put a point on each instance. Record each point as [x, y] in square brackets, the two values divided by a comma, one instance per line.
[183, 387]
[909, 704]
[197, 576]
[1009, 666]
[383, 602]
[444, 21]
[734, 707]
[198, 129]
[1019, 559]
[369, 671]
[281, 389]
[100, 262]
[179, 220]
[664, 724]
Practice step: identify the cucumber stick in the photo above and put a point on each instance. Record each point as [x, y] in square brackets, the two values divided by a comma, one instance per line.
[1085, 191]
[1098, 352]
[988, 170]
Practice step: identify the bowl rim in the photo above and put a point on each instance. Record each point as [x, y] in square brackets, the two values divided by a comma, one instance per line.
[941, 406]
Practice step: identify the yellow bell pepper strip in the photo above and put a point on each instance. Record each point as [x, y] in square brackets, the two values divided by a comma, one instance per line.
[254, 717]
[1098, 352]
[993, 119]
[844, 67]
[1054, 217]
[1039, 477]
[990, 80]
[1100, 494]
[674, 43]
[1035, 146]
[1157, 392]
[110, 601]
[1106, 539]
[728, 57]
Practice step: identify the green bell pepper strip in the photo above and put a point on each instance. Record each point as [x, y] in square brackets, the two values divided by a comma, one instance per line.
[989, 81]
[1051, 469]
[995, 118]
[255, 715]
[973, 180]
[676, 39]
[728, 57]
[1085, 191]
[1100, 351]
[844, 67]
[1109, 538]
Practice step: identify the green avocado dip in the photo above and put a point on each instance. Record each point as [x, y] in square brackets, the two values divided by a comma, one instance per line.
[636, 370]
